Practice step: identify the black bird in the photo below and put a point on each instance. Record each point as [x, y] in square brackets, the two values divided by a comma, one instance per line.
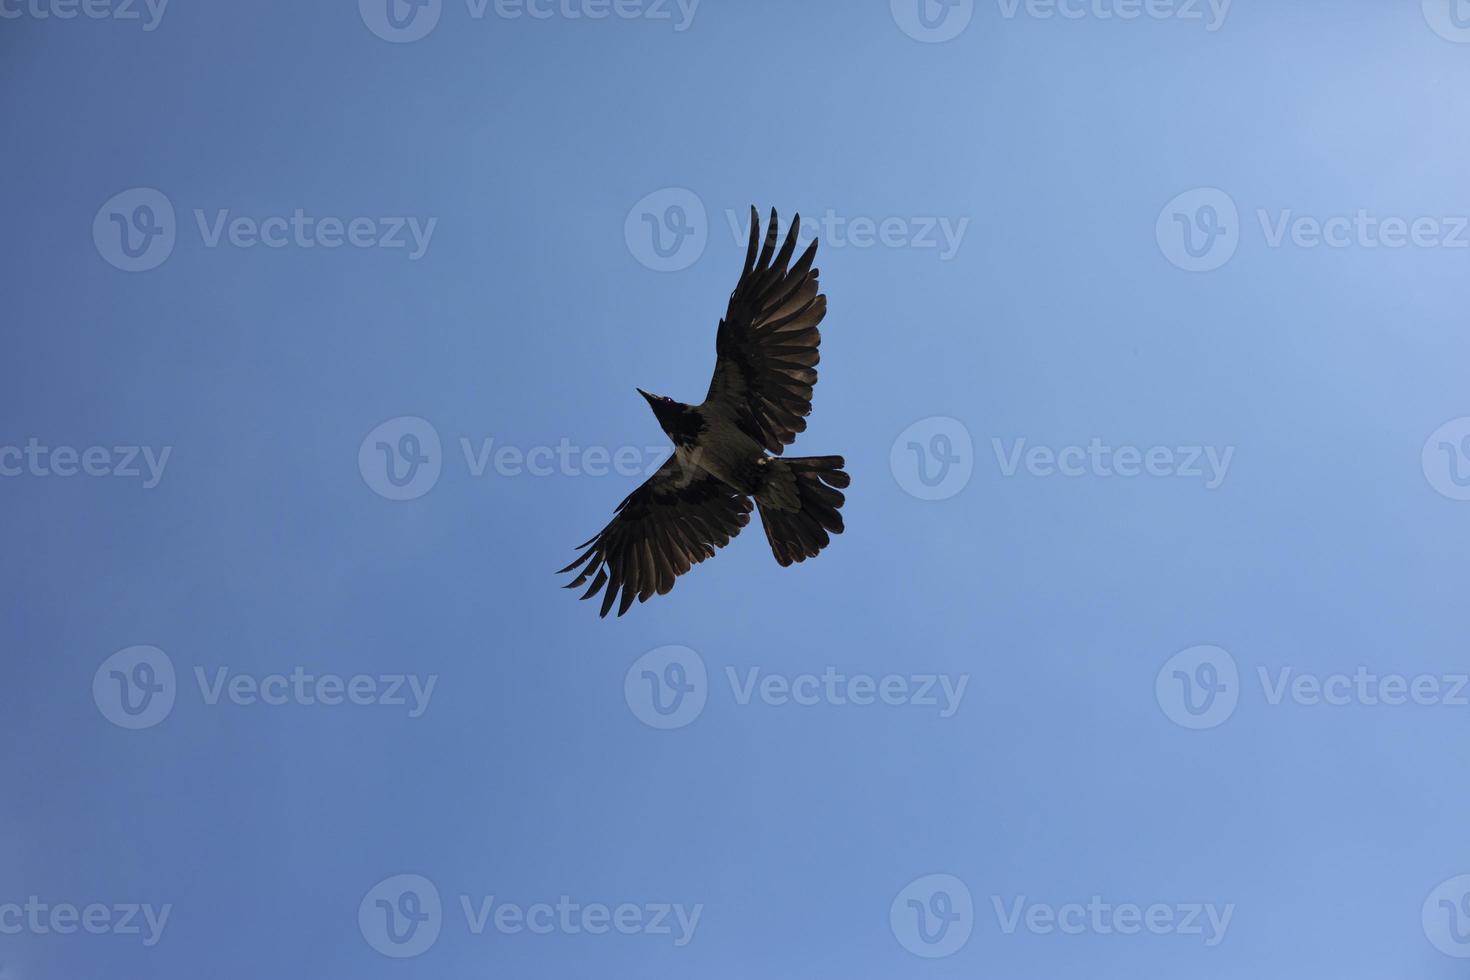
[758, 400]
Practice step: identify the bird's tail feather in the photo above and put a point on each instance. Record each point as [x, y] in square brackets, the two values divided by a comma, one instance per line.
[801, 504]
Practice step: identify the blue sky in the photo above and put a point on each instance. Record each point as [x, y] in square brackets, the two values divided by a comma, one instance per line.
[1142, 653]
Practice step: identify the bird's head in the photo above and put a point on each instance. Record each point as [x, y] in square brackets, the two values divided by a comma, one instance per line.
[675, 418]
[663, 406]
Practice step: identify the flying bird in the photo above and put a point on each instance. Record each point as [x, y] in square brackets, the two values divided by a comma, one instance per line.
[727, 449]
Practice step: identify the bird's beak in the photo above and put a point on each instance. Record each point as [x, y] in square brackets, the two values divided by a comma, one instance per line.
[645, 394]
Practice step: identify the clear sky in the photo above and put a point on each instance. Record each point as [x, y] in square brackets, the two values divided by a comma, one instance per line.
[1142, 654]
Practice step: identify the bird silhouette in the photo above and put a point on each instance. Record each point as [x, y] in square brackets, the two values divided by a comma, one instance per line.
[727, 449]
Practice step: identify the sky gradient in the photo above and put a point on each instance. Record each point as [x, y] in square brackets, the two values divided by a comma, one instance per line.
[1143, 651]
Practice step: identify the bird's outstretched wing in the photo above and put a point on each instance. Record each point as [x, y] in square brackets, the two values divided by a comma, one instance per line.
[675, 520]
[767, 343]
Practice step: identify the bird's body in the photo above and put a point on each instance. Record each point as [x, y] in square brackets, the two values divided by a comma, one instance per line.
[727, 448]
[724, 452]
